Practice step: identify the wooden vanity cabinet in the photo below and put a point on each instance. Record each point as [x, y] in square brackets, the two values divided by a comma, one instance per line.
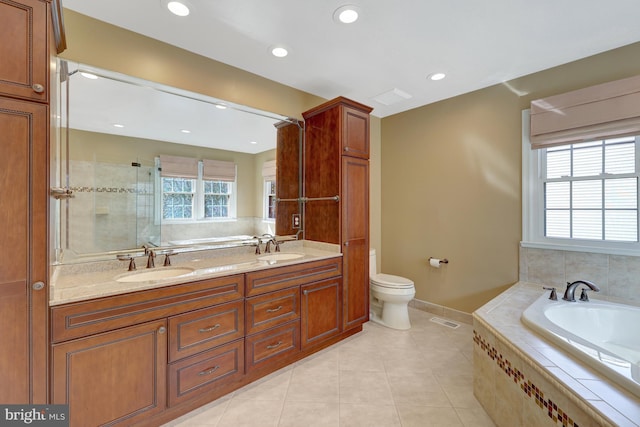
[116, 377]
[146, 357]
[124, 359]
[321, 311]
[337, 163]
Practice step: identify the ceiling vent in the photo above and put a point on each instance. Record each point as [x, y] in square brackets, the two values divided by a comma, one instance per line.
[392, 97]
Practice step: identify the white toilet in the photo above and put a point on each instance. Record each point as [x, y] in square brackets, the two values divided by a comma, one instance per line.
[389, 297]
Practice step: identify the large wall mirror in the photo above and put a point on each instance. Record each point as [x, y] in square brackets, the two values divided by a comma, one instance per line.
[148, 164]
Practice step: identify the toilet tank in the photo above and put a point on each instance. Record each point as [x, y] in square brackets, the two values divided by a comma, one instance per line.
[372, 263]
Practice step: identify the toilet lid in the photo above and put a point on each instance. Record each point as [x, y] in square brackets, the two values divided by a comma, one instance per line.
[391, 281]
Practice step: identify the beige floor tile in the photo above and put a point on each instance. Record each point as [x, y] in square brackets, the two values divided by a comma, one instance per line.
[366, 388]
[368, 415]
[251, 413]
[475, 417]
[310, 414]
[424, 416]
[271, 387]
[313, 387]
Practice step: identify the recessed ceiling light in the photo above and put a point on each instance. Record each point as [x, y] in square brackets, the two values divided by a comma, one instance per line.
[279, 51]
[221, 106]
[118, 125]
[346, 14]
[436, 76]
[185, 131]
[88, 75]
[179, 8]
[253, 142]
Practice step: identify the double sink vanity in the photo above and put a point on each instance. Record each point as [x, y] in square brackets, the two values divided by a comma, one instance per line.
[148, 345]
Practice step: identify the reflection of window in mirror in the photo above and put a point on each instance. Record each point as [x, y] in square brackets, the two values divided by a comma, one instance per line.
[270, 199]
[269, 194]
[178, 195]
[217, 199]
[196, 190]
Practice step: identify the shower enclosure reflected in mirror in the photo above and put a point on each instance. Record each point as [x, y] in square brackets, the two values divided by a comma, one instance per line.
[153, 165]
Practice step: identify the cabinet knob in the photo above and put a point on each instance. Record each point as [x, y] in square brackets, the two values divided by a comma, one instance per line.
[162, 330]
[37, 87]
[38, 286]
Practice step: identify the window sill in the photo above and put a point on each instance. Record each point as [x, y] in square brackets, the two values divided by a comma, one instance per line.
[575, 248]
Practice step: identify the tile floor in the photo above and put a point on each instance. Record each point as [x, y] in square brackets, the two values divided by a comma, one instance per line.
[379, 377]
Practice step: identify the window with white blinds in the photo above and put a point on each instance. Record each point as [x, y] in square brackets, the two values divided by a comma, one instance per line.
[590, 190]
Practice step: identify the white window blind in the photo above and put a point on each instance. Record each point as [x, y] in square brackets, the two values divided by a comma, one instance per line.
[591, 190]
[218, 170]
[269, 170]
[608, 110]
[178, 167]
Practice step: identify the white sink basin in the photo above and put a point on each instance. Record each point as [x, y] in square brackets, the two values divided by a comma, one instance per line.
[280, 257]
[157, 274]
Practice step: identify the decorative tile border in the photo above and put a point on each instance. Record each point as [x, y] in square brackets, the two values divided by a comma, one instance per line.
[531, 390]
[107, 190]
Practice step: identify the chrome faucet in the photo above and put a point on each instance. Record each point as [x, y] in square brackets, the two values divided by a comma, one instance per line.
[570, 293]
[257, 244]
[272, 239]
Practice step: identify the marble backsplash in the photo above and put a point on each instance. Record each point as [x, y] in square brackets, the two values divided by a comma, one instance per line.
[617, 276]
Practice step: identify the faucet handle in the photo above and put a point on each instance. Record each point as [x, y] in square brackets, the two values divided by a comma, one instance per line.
[583, 295]
[151, 260]
[130, 258]
[553, 296]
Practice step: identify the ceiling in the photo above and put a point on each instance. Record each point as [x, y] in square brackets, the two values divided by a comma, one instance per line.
[393, 47]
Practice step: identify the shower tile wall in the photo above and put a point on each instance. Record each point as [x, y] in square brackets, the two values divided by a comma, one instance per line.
[102, 213]
[618, 276]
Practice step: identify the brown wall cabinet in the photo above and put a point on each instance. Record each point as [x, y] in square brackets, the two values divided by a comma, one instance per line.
[336, 159]
[24, 123]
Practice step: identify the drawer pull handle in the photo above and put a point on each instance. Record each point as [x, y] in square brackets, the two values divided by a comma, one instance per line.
[209, 371]
[273, 310]
[276, 345]
[209, 329]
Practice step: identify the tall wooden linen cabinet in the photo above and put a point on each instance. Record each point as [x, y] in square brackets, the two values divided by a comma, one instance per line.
[336, 187]
[29, 30]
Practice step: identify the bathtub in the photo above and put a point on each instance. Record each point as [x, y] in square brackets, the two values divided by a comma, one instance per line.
[602, 334]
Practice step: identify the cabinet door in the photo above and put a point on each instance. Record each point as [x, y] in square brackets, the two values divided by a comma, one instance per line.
[23, 259]
[117, 377]
[355, 241]
[321, 311]
[24, 50]
[355, 133]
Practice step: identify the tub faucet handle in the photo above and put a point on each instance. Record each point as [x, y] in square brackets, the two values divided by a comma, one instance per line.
[553, 296]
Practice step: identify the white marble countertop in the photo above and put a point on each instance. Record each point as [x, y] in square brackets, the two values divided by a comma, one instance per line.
[593, 390]
[79, 282]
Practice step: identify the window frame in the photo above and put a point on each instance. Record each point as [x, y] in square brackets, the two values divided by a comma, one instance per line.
[266, 198]
[533, 207]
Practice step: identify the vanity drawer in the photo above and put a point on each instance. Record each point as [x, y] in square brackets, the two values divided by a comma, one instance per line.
[272, 345]
[90, 317]
[200, 330]
[272, 309]
[273, 279]
[206, 371]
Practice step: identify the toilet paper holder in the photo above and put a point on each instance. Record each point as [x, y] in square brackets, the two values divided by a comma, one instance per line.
[442, 261]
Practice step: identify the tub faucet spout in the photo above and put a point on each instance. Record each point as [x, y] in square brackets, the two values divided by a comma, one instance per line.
[570, 293]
